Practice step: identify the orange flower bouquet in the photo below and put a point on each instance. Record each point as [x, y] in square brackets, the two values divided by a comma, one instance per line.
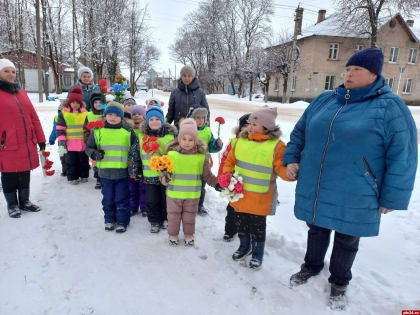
[162, 164]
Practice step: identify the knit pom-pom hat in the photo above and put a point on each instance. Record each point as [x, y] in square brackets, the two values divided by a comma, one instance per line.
[76, 95]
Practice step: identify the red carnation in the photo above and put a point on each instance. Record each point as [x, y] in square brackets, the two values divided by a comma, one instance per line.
[152, 139]
[102, 82]
[155, 147]
[146, 148]
[90, 125]
[45, 154]
[145, 139]
[117, 77]
[224, 180]
[48, 162]
[220, 120]
[46, 167]
[99, 124]
[50, 173]
[104, 89]
[239, 188]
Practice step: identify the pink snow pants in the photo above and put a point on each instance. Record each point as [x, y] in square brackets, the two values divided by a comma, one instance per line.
[181, 210]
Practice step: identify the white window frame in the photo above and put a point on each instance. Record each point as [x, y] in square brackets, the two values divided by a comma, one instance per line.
[329, 82]
[293, 84]
[277, 84]
[413, 54]
[408, 86]
[388, 81]
[360, 47]
[333, 51]
[394, 54]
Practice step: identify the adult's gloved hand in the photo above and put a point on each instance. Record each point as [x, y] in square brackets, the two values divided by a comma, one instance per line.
[62, 148]
[98, 155]
[41, 146]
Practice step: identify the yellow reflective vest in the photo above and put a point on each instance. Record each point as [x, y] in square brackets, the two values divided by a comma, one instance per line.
[145, 157]
[74, 124]
[93, 117]
[116, 144]
[254, 162]
[186, 179]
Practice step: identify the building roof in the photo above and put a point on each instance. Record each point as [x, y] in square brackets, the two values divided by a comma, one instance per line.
[330, 27]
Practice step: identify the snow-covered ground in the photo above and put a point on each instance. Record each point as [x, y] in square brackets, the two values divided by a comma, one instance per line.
[61, 261]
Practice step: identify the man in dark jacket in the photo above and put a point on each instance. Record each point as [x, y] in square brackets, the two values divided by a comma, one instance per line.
[186, 97]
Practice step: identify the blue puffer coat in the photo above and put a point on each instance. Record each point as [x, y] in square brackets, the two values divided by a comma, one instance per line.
[354, 158]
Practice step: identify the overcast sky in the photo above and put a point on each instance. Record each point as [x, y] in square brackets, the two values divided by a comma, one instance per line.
[166, 16]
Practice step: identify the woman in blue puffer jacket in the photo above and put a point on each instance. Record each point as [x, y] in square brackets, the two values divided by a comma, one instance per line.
[354, 152]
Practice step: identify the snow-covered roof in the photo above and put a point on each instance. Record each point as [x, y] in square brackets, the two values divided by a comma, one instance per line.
[329, 27]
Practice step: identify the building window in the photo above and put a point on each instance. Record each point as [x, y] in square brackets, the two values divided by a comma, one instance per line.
[67, 80]
[359, 47]
[390, 82]
[329, 82]
[393, 57]
[293, 85]
[277, 84]
[412, 57]
[408, 84]
[333, 53]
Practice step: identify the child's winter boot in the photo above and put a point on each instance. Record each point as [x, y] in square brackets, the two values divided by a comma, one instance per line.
[257, 255]
[338, 299]
[244, 247]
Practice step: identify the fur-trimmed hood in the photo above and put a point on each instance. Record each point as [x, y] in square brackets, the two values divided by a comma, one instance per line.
[171, 129]
[272, 134]
[200, 147]
[12, 88]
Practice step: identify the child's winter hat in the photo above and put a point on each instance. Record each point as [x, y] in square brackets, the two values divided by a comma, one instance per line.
[76, 95]
[370, 58]
[95, 96]
[187, 70]
[243, 120]
[4, 63]
[200, 112]
[188, 127]
[128, 101]
[158, 101]
[114, 108]
[138, 109]
[265, 117]
[83, 70]
[155, 111]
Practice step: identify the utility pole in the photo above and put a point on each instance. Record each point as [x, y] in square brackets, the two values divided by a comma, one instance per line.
[292, 61]
[38, 49]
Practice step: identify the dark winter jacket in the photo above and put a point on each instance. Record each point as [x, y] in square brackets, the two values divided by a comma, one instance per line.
[351, 166]
[184, 99]
[20, 130]
[134, 154]
[87, 91]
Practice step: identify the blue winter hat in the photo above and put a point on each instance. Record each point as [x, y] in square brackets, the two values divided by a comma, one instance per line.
[114, 108]
[155, 111]
[370, 58]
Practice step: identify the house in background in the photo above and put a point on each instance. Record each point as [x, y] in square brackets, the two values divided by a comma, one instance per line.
[28, 61]
[325, 49]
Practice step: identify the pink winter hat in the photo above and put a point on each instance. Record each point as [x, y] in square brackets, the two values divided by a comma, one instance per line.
[188, 127]
[265, 117]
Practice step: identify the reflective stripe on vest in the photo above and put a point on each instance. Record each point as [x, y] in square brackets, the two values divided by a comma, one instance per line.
[74, 123]
[186, 179]
[254, 162]
[205, 134]
[116, 144]
[145, 157]
[93, 117]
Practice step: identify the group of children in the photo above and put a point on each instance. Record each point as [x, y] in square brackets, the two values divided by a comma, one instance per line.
[120, 147]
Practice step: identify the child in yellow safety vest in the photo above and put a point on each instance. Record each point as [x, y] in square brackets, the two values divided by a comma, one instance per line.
[110, 146]
[191, 166]
[70, 137]
[200, 115]
[154, 136]
[53, 137]
[257, 156]
[94, 114]
[230, 219]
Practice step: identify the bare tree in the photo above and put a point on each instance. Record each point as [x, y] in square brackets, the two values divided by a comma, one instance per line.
[366, 16]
